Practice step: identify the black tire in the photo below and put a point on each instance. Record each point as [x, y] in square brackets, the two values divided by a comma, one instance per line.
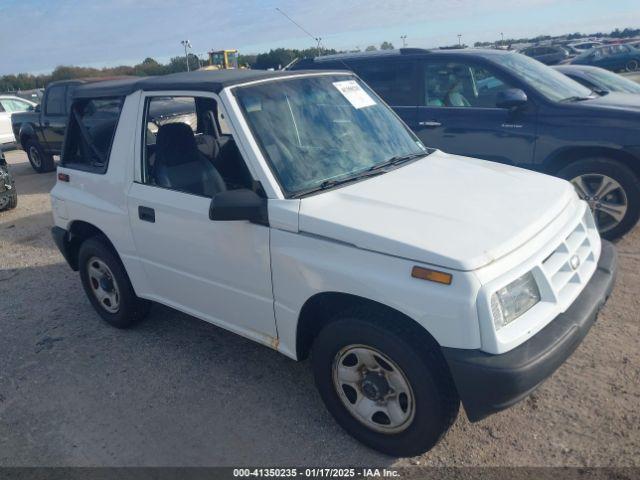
[436, 398]
[131, 308]
[633, 65]
[8, 199]
[619, 172]
[11, 204]
[40, 161]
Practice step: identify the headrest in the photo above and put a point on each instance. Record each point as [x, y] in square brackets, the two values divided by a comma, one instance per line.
[176, 144]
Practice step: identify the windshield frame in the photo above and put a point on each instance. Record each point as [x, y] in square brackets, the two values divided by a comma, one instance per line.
[256, 141]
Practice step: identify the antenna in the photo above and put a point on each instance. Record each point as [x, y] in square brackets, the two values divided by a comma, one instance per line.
[317, 39]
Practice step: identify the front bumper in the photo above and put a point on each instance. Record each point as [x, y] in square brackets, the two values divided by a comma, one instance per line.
[489, 383]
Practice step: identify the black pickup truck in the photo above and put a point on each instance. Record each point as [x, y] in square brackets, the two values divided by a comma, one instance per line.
[40, 132]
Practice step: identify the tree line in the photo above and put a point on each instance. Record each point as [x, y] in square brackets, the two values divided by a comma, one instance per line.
[274, 58]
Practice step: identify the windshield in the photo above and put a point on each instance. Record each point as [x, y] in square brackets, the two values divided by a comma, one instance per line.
[319, 129]
[548, 82]
[612, 81]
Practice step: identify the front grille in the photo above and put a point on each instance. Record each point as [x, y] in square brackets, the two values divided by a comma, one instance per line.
[573, 262]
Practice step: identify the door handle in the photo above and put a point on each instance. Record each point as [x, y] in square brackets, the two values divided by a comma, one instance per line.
[430, 124]
[147, 214]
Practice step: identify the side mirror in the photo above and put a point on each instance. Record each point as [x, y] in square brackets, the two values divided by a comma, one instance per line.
[242, 204]
[36, 108]
[511, 98]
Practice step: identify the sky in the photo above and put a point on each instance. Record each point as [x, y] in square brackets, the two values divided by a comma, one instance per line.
[38, 35]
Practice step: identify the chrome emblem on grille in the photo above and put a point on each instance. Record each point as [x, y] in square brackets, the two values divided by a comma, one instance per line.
[574, 262]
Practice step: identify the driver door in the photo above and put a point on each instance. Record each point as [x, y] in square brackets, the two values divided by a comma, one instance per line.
[216, 270]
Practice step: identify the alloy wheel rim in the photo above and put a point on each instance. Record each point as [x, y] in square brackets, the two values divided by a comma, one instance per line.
[103, 285]
[632, 66]
[34, 155]
[373, 389]
[606, 198]
[4, 201]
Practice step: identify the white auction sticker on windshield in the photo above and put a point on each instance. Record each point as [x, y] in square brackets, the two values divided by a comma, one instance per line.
[354, 93]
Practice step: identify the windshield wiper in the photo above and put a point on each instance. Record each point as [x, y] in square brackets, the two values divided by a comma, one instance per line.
[327, 184]
[398, 159]
[575, 99]
[378, 169]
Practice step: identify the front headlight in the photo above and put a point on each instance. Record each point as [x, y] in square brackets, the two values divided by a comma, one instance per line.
[510, 302]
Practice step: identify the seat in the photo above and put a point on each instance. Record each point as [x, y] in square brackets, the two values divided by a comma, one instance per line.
[179, 165]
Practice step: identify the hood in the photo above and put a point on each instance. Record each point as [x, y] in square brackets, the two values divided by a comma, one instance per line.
[456, 212]
[619, 100]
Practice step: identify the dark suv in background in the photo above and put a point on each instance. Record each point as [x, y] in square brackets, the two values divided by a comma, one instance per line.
[506, 107]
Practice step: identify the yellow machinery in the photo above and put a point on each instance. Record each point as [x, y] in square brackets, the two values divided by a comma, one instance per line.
[222, 60]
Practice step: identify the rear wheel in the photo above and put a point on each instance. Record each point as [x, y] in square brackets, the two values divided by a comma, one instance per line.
[612, 191]
[383, 384]
[107, 285]
[41, 161]
[633, 65]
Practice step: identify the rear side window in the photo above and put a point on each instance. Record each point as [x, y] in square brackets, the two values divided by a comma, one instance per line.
[394, 81]
[92, 125]
[55, 101]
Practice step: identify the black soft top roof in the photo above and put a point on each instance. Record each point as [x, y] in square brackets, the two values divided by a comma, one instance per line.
[201, 80]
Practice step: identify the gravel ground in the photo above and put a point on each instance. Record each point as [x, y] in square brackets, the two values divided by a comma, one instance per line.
[178, 391]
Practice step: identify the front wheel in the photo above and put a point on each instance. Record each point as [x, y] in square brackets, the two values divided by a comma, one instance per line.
[612, 191]
[385, 388]
[632, 65]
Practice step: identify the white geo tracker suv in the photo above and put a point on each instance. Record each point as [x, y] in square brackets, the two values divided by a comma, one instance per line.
[297, 210]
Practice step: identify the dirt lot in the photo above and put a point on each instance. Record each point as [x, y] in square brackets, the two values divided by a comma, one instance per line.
[178, 391]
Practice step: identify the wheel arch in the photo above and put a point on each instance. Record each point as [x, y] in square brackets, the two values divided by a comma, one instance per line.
[77, 232]
[26, 133]
[321, 308]
[563, 157]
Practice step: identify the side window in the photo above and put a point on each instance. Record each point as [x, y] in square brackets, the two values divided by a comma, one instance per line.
[188, 147]
[92, 125]
[55, 101]
[452, 84]
[393, 81]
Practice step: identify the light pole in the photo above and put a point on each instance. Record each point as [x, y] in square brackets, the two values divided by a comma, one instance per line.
[186, 44]
[502, 36]
[404, 40]
[459, 40]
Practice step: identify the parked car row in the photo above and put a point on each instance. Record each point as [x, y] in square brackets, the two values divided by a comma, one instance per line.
[508, 108]
[614, 57]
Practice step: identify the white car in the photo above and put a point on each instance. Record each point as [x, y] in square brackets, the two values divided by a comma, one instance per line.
[8, 105]
[297, 210]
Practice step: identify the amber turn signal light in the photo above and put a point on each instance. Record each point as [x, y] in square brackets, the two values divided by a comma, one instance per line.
[431, 275]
